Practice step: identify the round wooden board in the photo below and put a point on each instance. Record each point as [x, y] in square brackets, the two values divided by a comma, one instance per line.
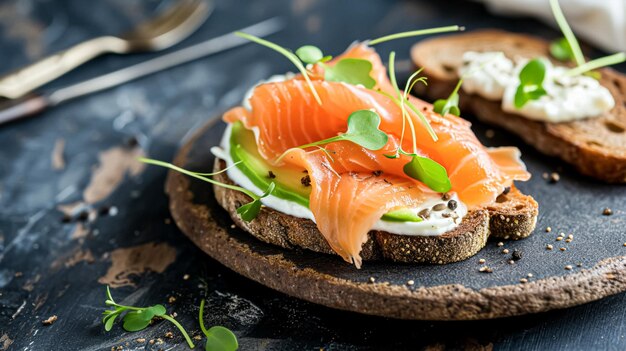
[455, 291]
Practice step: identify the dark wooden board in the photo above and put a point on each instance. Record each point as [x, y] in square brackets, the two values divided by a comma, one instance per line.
[455, 291]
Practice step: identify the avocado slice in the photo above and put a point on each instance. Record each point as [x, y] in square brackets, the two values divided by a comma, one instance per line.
[288, 180]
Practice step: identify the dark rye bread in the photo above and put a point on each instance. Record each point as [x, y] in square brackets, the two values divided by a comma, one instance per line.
[513, 216]
[595, 146]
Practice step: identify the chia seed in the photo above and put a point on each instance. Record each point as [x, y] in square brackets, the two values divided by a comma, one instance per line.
[306, 180]
[517, 255]
[271, 175]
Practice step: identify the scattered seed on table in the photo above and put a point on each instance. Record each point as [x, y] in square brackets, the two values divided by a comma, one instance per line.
[523, 280]
[568, 267]
[500, 244]
[410, 282]
[482, 260]
[517, 255]
[50, 320]
[607, 211]
[485, 269]
[529, 275]
[549, 247]
[511, 262]
[186, 277]
[554, 177]
[548, 229]
[562, 249]
[559, 238]
[579, 264]
[372, 279]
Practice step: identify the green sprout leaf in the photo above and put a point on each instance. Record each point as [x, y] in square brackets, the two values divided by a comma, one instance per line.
[219, 338]
[428, 172]
[363, 130]
[531, 79]
[310, 54]
[251, 210]
[352, 71]
[561, 50]
[451, 104]
[136, 321]
[138, 318]
[588, 67]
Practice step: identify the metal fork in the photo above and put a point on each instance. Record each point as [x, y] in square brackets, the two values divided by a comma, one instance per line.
[163, 31]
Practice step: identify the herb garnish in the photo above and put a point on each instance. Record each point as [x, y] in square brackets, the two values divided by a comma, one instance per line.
[424, 169]
[567, 48]
[218, 338]
[415, 33]
[248, 211]
[350, 70]
[138, 318]
[310, 54]
[531, 83]
[363, 130]
[451, 104]
[288, 54]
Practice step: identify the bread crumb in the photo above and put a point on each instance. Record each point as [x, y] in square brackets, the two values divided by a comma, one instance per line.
[50, 320]
[141, 340]
[485, 269]
[169, 335]
[171, 299]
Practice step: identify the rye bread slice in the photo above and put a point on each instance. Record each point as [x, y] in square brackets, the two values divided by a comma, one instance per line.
[512, 216]
[595, 146]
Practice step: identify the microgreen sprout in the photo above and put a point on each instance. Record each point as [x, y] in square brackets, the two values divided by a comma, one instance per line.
[218, 338]
[288, 54]
[451, 104]
[137, 318]
[570, 38]
[531, 83]
[428, 172]
[567, 48]
[352, 71]
[248, 211]
[312, 54]
[363, 130]
[597, 63]
[415, 33]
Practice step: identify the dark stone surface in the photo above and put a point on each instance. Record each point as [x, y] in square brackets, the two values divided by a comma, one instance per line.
[160, 111]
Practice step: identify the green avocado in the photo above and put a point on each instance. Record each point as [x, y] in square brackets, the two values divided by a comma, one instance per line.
[290, 182]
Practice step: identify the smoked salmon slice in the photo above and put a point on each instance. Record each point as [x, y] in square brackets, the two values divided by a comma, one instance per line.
[346, 198]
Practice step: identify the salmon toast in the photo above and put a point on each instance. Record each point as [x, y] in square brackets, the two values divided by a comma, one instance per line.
[339, 159]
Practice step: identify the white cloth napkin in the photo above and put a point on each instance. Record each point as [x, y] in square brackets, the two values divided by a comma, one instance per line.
[600, 22]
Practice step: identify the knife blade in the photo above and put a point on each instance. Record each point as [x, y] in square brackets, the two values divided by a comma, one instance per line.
[38, 102]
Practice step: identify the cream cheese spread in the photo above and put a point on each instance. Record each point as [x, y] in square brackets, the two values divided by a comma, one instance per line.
[569, 98]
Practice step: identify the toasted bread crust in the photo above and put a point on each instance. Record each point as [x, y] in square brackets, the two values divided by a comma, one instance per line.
[595, 146]
[514, 217]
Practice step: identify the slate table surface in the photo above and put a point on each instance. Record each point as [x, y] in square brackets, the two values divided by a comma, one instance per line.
[77, 212]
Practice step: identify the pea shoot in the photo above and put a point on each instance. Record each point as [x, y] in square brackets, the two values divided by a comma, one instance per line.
[531, 83]
[218, 338]
[451, 104]
[248, 211]
[137, 318]
[415, 33]
[310, 54]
